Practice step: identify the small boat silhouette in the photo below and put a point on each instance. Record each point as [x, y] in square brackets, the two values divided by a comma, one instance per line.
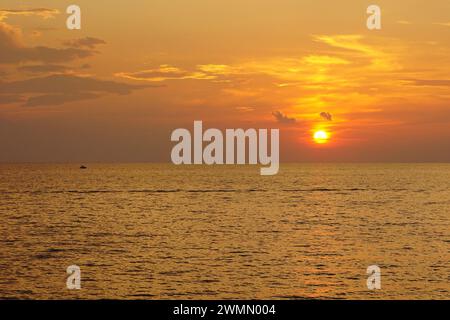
[83, 167]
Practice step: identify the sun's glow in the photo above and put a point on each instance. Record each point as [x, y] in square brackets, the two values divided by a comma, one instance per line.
[321, 136]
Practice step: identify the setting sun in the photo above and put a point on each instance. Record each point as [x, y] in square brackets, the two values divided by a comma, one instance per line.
[321, 136]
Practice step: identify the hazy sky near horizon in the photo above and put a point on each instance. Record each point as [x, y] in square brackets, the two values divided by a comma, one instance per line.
[137, 70]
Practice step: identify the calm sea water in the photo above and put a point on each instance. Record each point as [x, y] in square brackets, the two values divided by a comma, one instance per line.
[146, 231]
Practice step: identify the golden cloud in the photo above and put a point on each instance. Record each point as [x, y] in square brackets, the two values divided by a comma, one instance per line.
[39, 12]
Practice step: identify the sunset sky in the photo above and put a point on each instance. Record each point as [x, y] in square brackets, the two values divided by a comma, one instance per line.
[114, 90]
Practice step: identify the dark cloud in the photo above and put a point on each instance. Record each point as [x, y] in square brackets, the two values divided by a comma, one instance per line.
[326, 116]
[59, 89]
[58, 86]
[43, 68]
[87, 42]
[281, 118]
[12, 50]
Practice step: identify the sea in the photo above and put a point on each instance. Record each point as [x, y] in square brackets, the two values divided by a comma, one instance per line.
[161, 231]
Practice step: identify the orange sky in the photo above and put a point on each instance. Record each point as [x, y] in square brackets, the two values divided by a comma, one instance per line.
[115, 90]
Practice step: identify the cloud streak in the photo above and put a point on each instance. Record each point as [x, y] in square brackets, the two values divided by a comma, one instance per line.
[429, 82]
[60, 89]
[39, 12]
[165, 72]
[87, 42]
[43, 68]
